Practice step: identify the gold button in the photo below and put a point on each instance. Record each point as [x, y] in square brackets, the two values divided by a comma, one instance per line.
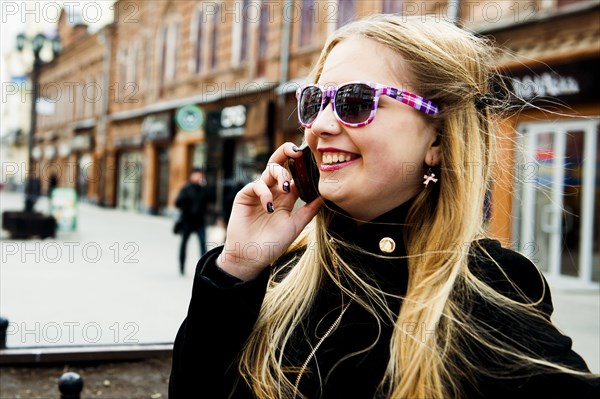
[387, 245]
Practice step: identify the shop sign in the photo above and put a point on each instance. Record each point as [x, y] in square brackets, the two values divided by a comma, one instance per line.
[157, 127]
[81, 142]
[227, 122]
[189, 118]
[544, 85]
[569, 83]
[134, 141]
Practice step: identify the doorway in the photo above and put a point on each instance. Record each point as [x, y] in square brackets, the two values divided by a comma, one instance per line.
[558, 179]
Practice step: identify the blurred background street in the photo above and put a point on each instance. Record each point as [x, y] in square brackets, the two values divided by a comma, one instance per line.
[115, 280]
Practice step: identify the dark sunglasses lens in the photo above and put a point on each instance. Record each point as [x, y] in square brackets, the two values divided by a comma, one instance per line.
[354, 102]
[309, 104]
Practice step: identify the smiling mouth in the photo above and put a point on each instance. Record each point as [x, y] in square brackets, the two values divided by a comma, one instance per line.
[338, 157]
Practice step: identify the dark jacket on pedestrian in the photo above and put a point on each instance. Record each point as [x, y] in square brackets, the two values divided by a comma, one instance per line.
[33, 188]
[353, 358]
[52, 184]
[192, 201]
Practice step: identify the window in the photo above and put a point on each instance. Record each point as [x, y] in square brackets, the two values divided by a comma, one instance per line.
[241, 27]
[149, 49]
[263, 25]
[77, 100]
[171, 66]
[245, 29]
[167, 54]
[162, 57]
[132, 64]
[94, 93]
[197, 34]
[392, 6]
[346, 11]
[306, 22]
[88, 101]
[214, 46]
[121, 70]
[64, 109]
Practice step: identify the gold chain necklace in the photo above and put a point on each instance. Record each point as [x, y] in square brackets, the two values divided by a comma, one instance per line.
[316, 348]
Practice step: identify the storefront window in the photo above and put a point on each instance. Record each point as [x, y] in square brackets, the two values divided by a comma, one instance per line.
[251, 157]
[85, 172]
[130, 177]
[559, 221]
[198, 157]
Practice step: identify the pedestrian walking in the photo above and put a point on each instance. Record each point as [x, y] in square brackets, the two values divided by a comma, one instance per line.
[192, 202]
[33, 191]
[52, 184]
[393, 290]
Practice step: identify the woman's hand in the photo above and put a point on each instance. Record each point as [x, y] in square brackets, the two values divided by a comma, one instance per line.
[262, 224]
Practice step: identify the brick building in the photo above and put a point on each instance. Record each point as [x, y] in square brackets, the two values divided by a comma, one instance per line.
[72, 91]
[211, 83]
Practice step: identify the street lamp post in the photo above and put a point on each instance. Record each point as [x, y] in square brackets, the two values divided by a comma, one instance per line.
[37, 43]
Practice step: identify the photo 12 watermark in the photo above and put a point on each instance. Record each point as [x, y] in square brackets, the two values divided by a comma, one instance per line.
[88, 12]
[69, 252]
[72, 332]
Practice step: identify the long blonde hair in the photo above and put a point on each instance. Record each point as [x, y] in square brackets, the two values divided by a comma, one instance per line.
[452, 68]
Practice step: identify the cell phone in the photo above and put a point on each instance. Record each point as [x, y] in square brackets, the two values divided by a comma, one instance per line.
[305, 173]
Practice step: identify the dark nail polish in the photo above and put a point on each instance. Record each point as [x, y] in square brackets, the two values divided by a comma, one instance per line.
[295, 149]
[270, 207]
[286, 186]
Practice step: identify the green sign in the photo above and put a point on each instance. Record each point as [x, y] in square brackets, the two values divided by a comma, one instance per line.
[189, 118]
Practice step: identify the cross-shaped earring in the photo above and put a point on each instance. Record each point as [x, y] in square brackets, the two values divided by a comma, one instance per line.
[428, 177]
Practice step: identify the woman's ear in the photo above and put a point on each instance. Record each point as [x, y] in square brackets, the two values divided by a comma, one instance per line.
[434, 153]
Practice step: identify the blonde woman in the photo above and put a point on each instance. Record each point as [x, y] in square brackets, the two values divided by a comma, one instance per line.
[393, 291]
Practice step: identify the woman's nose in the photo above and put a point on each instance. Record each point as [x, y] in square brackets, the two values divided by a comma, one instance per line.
[326, 123]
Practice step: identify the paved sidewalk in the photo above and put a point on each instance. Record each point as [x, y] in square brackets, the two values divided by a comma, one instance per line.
[115, 280]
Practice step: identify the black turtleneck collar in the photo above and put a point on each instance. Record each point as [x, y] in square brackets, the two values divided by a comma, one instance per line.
[369, 235]
[382, 238]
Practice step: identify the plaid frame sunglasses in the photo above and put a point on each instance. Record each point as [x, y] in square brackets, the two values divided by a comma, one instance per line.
[354, 103]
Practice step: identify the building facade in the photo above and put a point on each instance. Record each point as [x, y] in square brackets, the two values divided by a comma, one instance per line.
[212, 84]
[546, 201]
[69, 107]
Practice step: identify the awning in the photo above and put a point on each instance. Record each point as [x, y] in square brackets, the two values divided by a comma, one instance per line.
[558, 39]
[560, 47]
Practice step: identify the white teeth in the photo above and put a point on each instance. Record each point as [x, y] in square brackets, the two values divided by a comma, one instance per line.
[335, 157]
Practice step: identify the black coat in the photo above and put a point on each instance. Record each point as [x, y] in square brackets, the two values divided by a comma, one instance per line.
[192, 201]
[223, 311]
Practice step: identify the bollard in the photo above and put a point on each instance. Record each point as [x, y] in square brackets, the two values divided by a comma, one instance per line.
[3, 328]
[70, 385]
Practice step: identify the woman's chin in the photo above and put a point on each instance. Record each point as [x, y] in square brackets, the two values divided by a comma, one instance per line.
[330, 193]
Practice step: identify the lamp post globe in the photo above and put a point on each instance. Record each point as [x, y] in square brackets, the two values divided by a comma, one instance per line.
[38, 42]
